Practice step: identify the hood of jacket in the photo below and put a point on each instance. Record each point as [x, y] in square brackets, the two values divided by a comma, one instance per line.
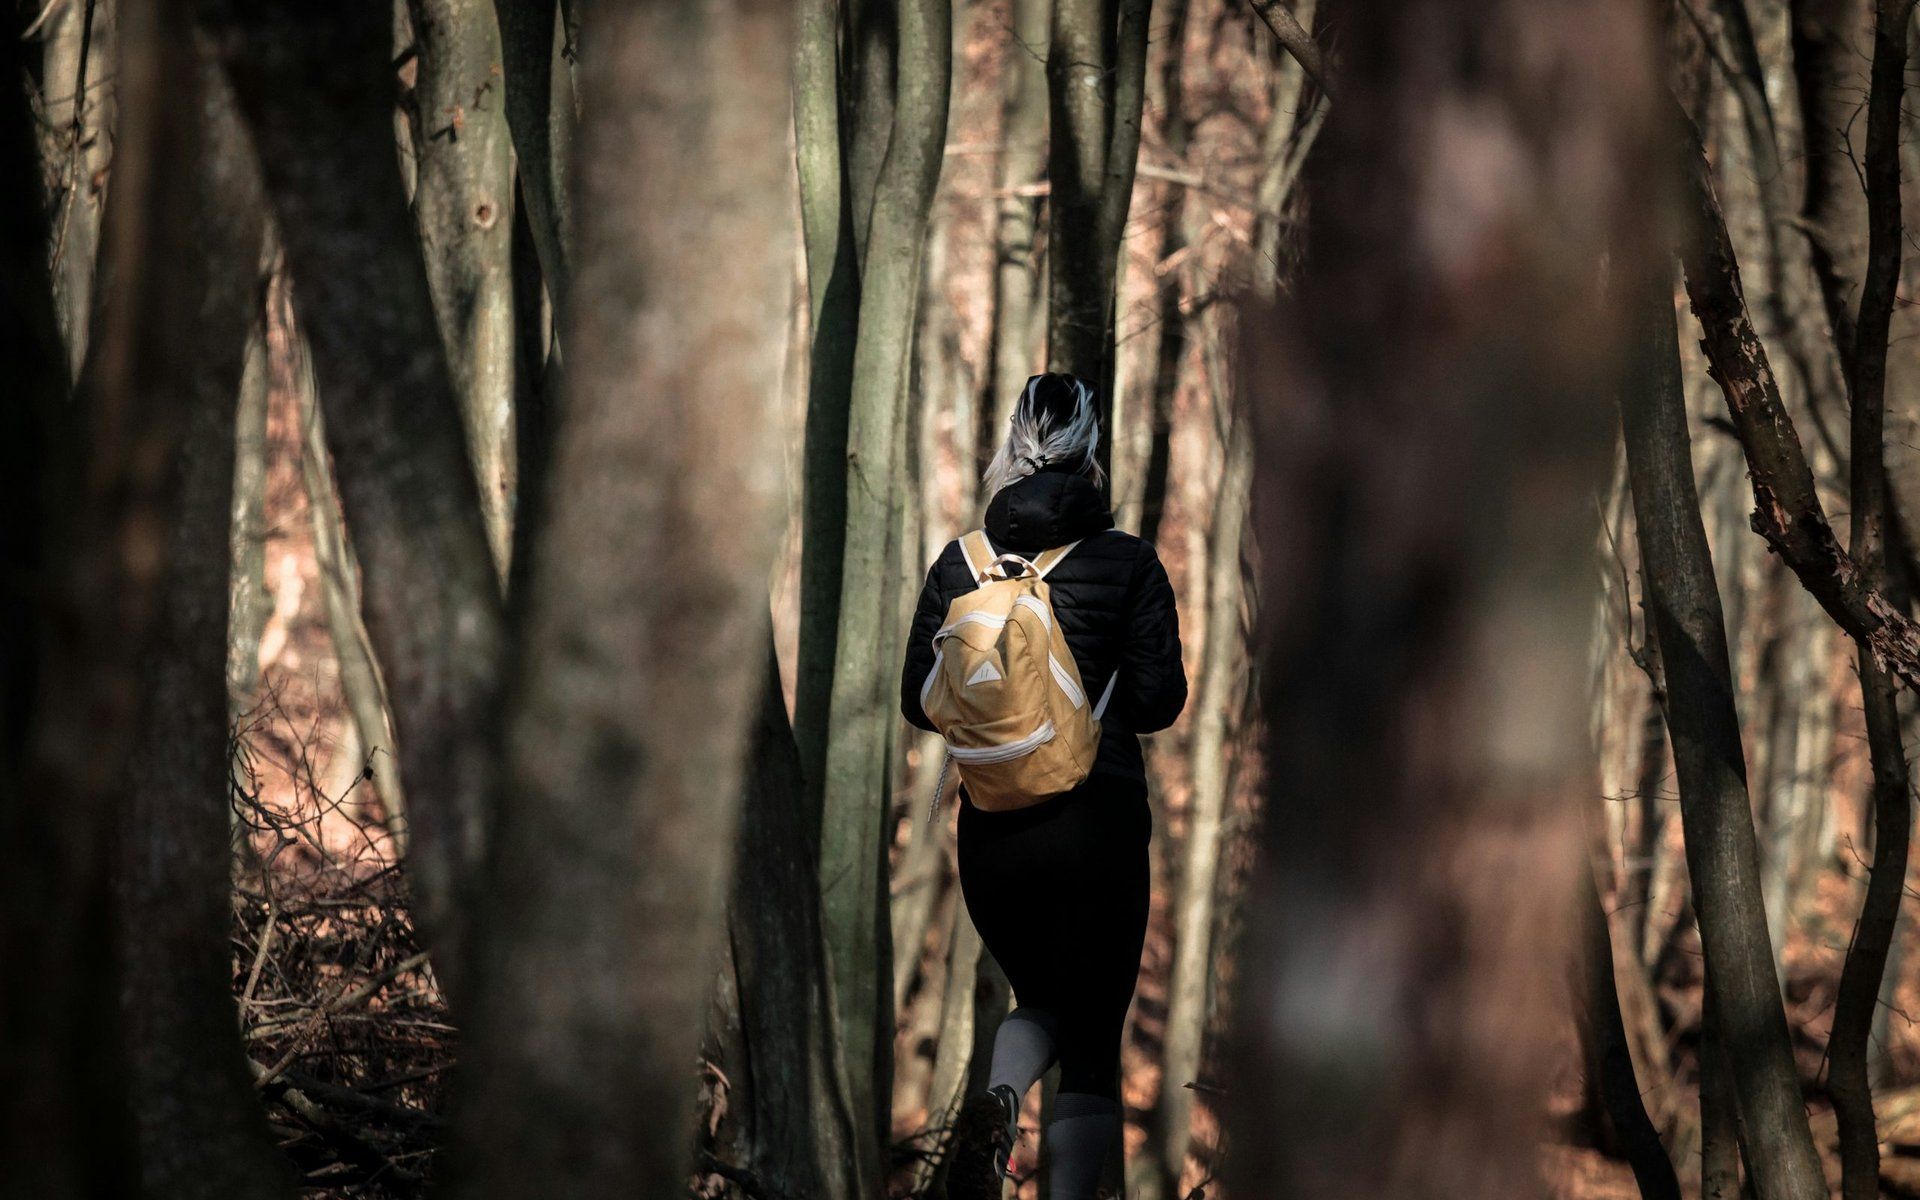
[1046, 509]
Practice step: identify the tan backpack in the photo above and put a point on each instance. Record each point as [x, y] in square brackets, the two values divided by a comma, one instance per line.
[1004, 690]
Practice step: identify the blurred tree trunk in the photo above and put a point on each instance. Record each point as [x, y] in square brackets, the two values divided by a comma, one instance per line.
[1096, 84]
[77, 99]
[1860, 975]
[1017, 300]
[1832, 42]
[1429, 433]
[318, 86]
[463, 201]
[796, 1134]
[539, 111]
[856, 798]
[199, 1128]
[1168, 87]
[628, 726]
[1722, 853]
[1222, 684]
[82, 558]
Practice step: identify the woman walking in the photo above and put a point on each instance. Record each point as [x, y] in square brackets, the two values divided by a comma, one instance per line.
[1058, 886]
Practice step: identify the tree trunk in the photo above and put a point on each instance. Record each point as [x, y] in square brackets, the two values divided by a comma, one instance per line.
[248, 602]
[1016, 270]
[1602, 1026]
[82, 558]
[801, 1127]
[1723, 861]
[1189, 991]
[317, 85]
[539, 113]
[199, 1128]
[1831, 53]
[822, 134]
[78, 100]
[1096, 84]
[626, 733]
[1436, 378]
[463, 201]
[1860, 975]
[361, 683]
[856, 797]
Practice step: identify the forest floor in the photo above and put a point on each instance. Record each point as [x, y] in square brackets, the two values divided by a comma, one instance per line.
[1577, 1168]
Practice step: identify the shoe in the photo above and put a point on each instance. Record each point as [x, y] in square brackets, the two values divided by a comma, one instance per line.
[979, 1150]
[1010, 1131]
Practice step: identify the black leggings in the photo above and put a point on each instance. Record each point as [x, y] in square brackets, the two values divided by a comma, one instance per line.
[1059, 894]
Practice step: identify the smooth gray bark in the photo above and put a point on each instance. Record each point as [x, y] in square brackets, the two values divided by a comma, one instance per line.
[1723, 859]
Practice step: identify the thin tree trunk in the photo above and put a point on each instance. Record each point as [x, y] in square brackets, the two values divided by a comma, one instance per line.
[317, 85]
[1599, 1012]
[1016, 271]
[539, 114]
[83, 557]
[1857, 998]
[361, 682]
[1787, 510]
[199, 1126]
[77, 79]
[248, 602]
[1719, 1104]
[1189, 991]
[1414, 408]
[802, 1126]
[1683, 603]
[463, 201]
[1096, 81]
[626, 733]
[822, 134]
[855, 809]
[1831, 40]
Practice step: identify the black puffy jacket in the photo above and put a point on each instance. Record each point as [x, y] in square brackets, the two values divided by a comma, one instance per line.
[1112, 597]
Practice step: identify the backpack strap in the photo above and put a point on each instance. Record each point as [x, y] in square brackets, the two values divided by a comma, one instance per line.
[978, 551]
[1047, 560]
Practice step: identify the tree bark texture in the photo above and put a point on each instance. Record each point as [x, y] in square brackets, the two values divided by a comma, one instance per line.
[200, 1131]
[1017, 299]
[798, 1137]
[628, 726]
[316, 82]
[857, 797]
[463, 202]
[78, 102]
[823, 133]
[1832, 50]
[1723, 860]
[248, 602]
[539, 113]
[1787, 510]
[1860, 975]
[1096, 84]
[1432, 382]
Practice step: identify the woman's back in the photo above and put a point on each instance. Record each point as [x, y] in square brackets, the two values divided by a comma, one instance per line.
[1111, 595]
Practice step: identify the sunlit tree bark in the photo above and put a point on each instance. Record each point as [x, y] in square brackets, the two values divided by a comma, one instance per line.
[77, 99]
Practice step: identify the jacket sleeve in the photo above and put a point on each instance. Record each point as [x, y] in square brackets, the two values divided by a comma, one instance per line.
[926, 622]
[1153, 680]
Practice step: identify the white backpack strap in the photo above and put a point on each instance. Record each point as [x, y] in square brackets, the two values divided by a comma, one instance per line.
[978, 551]
[1099, 709]
[1050, 559]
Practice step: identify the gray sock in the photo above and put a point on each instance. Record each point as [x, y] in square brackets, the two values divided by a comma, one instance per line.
[1022, 1049]
[1078, 1138]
